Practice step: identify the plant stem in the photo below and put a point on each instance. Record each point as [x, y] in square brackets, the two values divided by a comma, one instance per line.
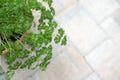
[19, 42]
[23, 35]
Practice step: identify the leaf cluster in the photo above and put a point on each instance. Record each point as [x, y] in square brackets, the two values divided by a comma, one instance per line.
[16, 20]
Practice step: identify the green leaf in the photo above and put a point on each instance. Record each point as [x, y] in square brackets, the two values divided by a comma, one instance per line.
[57, 39]
[64, 40]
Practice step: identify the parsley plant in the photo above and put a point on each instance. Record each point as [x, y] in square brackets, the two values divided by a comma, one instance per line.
[17, 41]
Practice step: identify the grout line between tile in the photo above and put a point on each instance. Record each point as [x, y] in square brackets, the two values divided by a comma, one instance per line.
[67, 8]
[105, 39]
[93, 69]
[110, 15]
[87, 62]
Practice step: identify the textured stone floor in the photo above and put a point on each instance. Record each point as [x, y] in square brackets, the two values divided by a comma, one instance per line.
[93, 49]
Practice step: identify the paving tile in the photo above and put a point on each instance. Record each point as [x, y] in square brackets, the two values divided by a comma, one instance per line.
[22, 74]
[101, 53]
[109, 70]
[68, 13]
[66, 3]
[0, 61]
[57, 6]
[105, 61]
[3, 63]
[2, 77]
[93, 76]
[112, 28]
[29, 78]
[82, 30]
[40, 75]
[79, 61]
[60, 69]
[116, 16]
[100, 9]
[118, 1]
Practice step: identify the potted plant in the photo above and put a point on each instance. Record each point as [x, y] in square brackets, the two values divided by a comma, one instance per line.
[20, 35]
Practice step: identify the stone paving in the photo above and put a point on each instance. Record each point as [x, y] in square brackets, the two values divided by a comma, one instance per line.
[93, 49]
